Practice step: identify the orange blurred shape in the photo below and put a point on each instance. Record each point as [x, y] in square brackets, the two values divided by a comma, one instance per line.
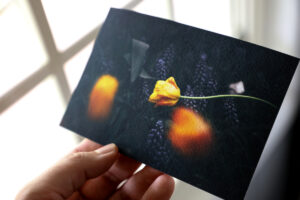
[102, 97]
[189, 132]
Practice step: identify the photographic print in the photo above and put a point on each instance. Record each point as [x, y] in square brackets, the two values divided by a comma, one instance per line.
[194, 104]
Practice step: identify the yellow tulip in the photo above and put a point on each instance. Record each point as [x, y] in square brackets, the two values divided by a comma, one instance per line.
[165, 93]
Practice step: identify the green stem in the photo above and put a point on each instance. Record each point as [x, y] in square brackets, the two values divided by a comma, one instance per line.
[230, 95]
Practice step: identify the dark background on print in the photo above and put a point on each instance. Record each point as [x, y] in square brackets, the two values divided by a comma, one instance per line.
[203, 63]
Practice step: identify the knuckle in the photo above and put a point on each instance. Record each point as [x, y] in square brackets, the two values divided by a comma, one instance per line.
[77, 157]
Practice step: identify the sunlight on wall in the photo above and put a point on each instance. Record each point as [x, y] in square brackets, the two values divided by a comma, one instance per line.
[213, 15]
[154, 8]
[75, 66]
[70, 20]
[31, 139]
[20, 47]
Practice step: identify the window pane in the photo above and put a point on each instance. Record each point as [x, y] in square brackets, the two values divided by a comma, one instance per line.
[20, 47]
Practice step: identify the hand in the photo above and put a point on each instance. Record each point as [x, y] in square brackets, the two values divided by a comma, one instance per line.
[94, 172]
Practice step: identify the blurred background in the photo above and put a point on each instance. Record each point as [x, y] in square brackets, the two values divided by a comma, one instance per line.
[45, 45]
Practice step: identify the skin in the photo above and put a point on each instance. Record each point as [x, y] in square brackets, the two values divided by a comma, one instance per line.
[92, 171]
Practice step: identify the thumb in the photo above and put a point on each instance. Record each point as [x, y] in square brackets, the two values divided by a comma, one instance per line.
[69, 174]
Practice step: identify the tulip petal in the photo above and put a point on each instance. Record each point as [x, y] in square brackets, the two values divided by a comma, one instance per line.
[171, 80]
[153, 98]
[166, 102]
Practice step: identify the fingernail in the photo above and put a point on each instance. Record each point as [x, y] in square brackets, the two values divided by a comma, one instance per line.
[107, 149]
